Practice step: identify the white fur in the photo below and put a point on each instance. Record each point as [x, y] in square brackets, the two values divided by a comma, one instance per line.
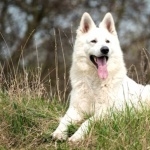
[90, 94]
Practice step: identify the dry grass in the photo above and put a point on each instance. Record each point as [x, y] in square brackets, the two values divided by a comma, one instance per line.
[28, 113]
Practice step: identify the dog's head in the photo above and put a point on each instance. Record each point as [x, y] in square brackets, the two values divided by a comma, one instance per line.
[99, 42]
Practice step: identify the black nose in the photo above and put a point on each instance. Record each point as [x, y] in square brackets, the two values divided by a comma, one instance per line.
[104, 50]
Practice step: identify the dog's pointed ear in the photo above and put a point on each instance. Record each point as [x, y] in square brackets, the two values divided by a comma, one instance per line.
[108, 23]
[86, 23]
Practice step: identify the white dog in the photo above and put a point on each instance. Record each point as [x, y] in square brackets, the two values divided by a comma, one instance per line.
[98, 77]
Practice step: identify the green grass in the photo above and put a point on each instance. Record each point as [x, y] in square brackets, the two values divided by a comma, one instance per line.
[28, 123]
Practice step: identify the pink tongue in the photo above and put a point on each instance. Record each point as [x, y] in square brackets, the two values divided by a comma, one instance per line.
[102, 67]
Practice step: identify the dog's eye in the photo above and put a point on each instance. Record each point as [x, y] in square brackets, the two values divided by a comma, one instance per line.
[93, 41]
[107, 41]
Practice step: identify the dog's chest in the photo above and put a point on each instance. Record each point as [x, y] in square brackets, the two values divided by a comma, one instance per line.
[103, 92]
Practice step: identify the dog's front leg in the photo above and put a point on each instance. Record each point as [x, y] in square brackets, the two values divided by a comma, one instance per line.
[82, 131]
[84, 128]
[72, 116]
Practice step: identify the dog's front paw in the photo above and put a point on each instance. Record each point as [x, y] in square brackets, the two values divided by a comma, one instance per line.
[59, 135]
[76, 137]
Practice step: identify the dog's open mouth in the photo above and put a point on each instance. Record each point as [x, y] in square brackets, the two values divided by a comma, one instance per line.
[101, 64]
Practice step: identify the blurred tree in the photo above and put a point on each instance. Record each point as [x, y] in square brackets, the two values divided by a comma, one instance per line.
[32, 32]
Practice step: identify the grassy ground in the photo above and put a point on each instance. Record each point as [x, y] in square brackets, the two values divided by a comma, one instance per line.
[29, 114]
[27, 124]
